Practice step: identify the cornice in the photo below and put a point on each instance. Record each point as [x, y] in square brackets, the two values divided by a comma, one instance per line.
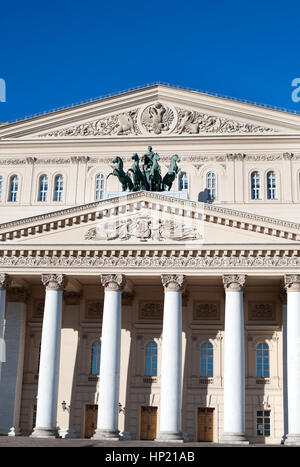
[94, 157]
[88, 214]
[289, 138]
[195, 262]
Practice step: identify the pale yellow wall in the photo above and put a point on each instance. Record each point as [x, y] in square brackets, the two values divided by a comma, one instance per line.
[233, 181]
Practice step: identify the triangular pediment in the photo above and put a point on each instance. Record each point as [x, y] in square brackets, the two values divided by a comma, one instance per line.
[155, 111]
[142, 219]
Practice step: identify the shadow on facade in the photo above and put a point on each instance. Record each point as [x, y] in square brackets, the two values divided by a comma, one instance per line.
[204, 197]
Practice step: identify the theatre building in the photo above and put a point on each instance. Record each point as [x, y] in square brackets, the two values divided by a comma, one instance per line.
[134, 309]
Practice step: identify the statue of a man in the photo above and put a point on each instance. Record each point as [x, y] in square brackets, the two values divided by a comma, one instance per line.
[147, 159]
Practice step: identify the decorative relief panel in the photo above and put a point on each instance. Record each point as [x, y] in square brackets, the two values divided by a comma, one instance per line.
[94, 309]
[151, 310]
[261, 311]
[143, 229]
[158, 118]
[206, 310]
[38, 309]
[121, 124]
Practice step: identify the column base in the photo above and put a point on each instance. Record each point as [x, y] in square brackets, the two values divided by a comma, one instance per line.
[40, 432]
[172, 436]
[233, 438]
[107, 435]
[292, 439]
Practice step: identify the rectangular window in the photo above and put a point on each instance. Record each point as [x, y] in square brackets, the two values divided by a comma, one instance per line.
[263, 422]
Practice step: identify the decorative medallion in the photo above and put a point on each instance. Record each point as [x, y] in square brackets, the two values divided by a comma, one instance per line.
[157, 118]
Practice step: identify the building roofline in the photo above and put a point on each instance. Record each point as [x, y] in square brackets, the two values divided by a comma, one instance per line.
[148, 86]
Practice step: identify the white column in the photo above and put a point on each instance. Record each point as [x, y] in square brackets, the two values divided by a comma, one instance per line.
[4, 280]
[108, 402]
[171, 368]
[292, 284]
[49, 360]
[234, 361]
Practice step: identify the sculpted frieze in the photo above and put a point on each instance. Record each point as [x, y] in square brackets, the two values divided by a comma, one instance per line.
[120, 124]
[143, 228]
[193, 122]
[158, 118]
[150, 261]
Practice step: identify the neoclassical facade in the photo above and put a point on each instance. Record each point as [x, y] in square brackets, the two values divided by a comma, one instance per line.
[170, 315]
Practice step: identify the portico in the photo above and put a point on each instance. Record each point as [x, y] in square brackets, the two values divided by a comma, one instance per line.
[178, 347]
[168, 311]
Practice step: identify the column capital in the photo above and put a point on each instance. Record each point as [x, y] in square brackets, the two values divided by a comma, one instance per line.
[114, 282]
[54, 281]
[234, 282]
[173, 282]
[292, 282]
[4, 281]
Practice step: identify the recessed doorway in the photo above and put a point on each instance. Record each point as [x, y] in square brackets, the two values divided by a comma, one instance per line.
[205, 424]
[148, 423]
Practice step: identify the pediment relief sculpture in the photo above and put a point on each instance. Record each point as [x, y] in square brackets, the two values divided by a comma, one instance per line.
[158, 118]
[143, 228]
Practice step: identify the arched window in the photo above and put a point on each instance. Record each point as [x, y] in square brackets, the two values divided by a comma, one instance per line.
[271, 185]
[43, 188]
[95, 358]
[262, 361]
[206, 359]
[58, 188]
[211, 185]
[183, 182]
[255, 185]
[151, 359]
[99, 187]
[13, 188]
[1, 187]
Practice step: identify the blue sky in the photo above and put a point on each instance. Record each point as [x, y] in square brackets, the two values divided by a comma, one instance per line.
[62, 52]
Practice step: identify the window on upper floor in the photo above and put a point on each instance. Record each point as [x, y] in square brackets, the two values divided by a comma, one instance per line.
[58, 188]
[262, 361]
[183, 181]
[211, 185]
[206, 359]
[13, 188]
[255, 186]
[43, 188]
[95, 358]
[1, 187]
[151, 358]
[271, 185]
[99, 186]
